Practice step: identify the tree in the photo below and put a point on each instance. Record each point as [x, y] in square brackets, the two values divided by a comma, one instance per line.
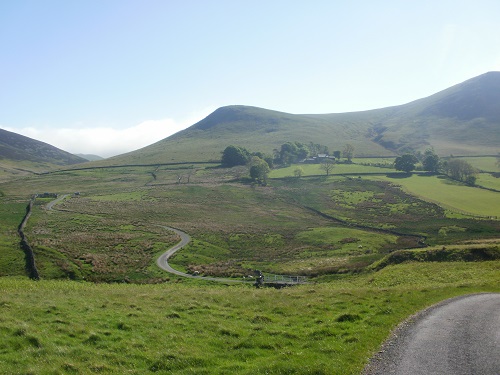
[327, 166]
[430, 161]
[316, 148]
[348, 152]
[336, 154]
[234, 155]
[460, 170]
[291, 152]
[405, 163]
[259, 169]
[298, 172]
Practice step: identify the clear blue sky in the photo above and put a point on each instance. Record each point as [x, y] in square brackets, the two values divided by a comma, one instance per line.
[110, 76]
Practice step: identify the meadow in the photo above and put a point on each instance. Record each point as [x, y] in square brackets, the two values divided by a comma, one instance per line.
[315, 225]
[61, 327]
[92, 312]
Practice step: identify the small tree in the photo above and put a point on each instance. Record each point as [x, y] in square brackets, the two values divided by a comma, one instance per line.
[298, 172]
[234, 155]
[348, 152]
[259, 170]
[336, 154]
[430, 161]
[405, 163]
[460, 170]
[327, 166]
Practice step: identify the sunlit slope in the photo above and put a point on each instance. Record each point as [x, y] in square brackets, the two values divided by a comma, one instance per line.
[259, 130]
[461, 120]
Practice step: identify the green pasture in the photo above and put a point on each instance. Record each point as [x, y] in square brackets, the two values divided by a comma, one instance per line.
[315, 169]
[450, 194]
[488, 181]
[483, 163]
[345, 241]
[11, 255]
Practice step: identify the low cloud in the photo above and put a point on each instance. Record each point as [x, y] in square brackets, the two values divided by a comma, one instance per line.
[109, 141]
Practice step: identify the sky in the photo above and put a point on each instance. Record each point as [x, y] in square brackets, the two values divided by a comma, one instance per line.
[110, 76]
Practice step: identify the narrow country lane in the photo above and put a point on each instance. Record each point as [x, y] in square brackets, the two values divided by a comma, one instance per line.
[460, 336]
[162, 261]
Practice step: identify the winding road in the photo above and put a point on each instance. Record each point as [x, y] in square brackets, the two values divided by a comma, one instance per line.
[162, 260]
[460, 336]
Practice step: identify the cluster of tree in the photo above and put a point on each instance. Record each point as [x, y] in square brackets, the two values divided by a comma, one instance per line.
[457, 169]
[293, 152]
[258, 163]
[236, 155]
[460, 170]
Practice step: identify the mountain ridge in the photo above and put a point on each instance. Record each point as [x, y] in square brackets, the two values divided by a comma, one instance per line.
[463, 119]
[16, 148]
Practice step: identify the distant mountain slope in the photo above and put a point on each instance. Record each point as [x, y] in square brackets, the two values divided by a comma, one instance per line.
[461, 120]
[18, 148]
[258, 129]
[90, 157]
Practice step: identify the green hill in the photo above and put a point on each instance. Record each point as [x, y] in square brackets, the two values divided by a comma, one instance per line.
[461, 120]
[18, 151]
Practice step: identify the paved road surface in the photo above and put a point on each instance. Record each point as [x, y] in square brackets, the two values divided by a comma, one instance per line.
[162, 261]
[50, 205]
[460, 336]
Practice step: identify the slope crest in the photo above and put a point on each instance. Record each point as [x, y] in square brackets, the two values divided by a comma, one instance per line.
[17, 147]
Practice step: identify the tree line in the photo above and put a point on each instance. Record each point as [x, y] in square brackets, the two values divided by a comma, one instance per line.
[289, 153]
[455, 168]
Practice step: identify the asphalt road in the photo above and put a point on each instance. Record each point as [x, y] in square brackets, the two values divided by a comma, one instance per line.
[162, 261]
[460, 336]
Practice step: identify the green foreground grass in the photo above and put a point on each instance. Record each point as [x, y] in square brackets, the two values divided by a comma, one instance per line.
[60, 327]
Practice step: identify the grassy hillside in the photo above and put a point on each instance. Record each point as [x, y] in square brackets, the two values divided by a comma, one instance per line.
[346, 232]
[17, 149]
[461, 120]
[357, 235]
[333, 328]
[256, 129]
[309, 226]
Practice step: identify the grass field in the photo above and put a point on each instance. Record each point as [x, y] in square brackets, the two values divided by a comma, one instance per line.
[315, 169]
[332, 229]
[109, 232]
[11, 255]
[485, 163]
[451, 194]
[332, 328]
[488, 181]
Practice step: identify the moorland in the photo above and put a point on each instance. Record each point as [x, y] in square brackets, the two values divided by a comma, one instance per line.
[376, 244]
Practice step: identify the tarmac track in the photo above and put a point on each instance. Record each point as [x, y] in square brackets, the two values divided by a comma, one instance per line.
[460, 336]
[162, 260]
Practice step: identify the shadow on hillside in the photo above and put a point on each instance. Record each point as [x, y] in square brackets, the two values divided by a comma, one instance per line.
[398, 175]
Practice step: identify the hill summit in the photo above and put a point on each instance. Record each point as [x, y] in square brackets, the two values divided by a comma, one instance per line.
[461, 120]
